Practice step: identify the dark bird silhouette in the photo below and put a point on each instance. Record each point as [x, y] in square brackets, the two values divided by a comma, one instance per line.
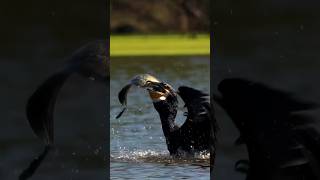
[281, 141]
[198, 130]
[90, 61]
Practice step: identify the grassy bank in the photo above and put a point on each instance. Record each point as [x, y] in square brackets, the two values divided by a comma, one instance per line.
[159, 45]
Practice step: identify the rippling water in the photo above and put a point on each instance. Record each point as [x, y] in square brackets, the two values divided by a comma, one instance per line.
[138, 148]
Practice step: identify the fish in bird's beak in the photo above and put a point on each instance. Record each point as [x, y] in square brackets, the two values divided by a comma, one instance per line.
[142, 80]
[157, 90]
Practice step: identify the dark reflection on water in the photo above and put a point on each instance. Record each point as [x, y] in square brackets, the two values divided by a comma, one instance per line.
[138, 148]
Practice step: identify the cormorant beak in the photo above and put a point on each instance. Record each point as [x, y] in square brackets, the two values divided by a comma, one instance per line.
[156, 95]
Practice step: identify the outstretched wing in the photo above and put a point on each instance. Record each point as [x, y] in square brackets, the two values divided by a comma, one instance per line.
[197, 129]
[280, 142]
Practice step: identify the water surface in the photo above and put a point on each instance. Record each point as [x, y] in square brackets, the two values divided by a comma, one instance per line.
[138, 148]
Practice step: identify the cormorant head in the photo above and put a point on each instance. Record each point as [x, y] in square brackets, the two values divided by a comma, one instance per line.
[160, 92]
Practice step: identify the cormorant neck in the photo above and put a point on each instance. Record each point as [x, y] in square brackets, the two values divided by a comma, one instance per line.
[167, 110]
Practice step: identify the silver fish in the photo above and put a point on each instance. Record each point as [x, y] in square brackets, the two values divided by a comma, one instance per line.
[141, 80]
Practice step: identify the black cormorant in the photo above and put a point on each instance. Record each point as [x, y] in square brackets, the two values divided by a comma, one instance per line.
[198, 131]
[281, 141]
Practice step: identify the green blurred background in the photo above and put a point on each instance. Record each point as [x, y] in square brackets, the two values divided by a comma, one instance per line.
[159, 28]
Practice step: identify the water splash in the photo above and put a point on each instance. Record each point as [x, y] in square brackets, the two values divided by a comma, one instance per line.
[152, 156]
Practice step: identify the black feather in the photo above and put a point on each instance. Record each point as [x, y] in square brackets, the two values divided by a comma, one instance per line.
[197, 132]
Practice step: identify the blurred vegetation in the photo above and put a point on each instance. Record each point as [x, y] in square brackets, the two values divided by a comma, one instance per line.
[154, 16]
[159, 45]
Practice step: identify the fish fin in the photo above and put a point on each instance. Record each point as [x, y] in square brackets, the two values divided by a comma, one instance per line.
[121, 112]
